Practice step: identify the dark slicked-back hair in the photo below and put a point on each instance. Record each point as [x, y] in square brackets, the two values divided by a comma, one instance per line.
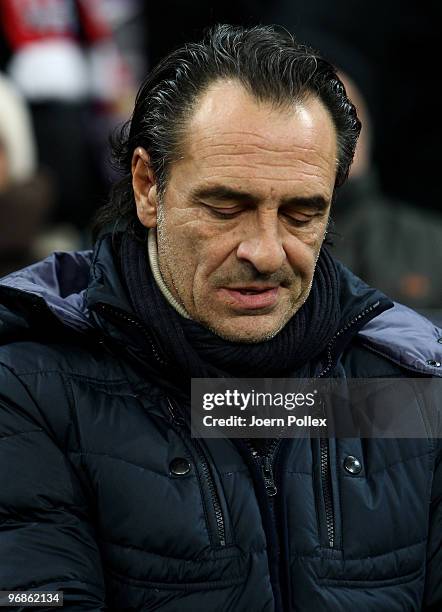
[270, 64]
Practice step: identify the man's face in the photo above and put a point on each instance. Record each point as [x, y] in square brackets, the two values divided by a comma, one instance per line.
[245, 211]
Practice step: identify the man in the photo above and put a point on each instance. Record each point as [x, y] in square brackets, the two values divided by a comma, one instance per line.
[231, 160]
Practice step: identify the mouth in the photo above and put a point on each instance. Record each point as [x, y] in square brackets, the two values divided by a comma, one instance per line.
[250, 297]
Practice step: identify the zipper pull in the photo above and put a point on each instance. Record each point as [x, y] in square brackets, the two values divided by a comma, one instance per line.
[267, 472]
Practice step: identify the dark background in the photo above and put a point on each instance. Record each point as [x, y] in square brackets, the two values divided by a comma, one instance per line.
[398, 44]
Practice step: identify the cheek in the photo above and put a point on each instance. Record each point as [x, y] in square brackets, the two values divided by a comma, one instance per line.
[303, 249]
[215, 258]
[195, 253]
[301, 260]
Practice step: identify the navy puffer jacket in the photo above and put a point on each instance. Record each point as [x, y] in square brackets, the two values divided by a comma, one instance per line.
[104, 494]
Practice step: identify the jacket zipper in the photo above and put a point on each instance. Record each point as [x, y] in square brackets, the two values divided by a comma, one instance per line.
[346, 327]
[123, 316]
[266, 464]
[327, 491]
[221, 529]
[324, 442]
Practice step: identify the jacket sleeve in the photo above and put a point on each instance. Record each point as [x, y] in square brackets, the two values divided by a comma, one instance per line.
[46, 538]
[433, 582]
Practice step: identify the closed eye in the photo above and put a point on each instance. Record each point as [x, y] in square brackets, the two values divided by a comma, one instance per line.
[223, 211]
[300, 220]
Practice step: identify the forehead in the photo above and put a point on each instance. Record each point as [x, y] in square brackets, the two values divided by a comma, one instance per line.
[232, 136]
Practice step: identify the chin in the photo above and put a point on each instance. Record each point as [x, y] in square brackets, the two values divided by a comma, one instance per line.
[247, 334]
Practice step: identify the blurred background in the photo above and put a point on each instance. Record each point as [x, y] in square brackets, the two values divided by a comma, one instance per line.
[69, 71]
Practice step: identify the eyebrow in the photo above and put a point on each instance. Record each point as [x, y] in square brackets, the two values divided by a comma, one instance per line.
[221, 193]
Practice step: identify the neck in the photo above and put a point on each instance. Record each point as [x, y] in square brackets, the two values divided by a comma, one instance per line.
[152, 248]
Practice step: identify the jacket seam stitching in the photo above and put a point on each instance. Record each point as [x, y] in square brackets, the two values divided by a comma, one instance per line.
[25, 387]
[189, 561]
[372, 583]
[399, 362]
[369, 557]
[387, 467]
[143, 583]
[31, 585]
[71, 406]
[21, 433]
[117, 381]
[83, 452]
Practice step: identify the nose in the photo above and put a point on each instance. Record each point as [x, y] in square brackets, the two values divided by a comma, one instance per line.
[263, 247]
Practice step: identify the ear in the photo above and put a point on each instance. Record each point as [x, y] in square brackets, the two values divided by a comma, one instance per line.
[145, 188]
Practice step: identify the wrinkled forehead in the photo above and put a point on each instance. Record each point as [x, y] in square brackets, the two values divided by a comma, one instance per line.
[232, 134]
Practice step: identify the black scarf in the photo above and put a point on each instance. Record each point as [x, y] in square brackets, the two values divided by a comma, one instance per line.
[192, 350]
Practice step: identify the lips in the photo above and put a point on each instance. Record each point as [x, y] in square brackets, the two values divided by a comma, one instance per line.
[250, 297]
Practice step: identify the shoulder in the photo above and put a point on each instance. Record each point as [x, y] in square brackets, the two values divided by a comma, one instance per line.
[30, 357]
[405, 338]
[54, 387]
[54, 375]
